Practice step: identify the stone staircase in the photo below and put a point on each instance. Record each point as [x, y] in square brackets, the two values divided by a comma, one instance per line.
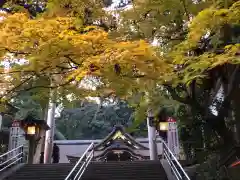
[42, 172]
[123, 170]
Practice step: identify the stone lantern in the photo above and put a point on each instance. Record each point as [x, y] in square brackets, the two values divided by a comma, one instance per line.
[33, 129]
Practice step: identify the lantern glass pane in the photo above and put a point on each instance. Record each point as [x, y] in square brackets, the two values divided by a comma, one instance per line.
[31, 130]
[163, 126]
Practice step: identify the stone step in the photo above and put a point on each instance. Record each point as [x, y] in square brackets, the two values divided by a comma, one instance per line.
[141, 170]
[135, 170]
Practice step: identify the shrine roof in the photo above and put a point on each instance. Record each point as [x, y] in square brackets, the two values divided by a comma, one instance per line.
[118, 134]
[123, 148]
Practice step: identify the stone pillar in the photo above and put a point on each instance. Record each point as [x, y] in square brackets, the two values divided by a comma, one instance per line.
[172, 135]
[1, 119]
[152, 136]
[51, 123]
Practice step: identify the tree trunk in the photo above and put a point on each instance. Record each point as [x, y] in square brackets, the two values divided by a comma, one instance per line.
[236, 111]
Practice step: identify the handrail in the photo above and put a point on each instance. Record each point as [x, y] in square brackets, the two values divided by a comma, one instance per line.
[176, 167]
[6, 153]
[86, 158]
[11, 157]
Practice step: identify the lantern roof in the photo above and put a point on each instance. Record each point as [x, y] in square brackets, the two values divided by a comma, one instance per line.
[31, 120]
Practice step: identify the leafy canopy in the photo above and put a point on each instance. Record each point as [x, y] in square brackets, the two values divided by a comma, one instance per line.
[212, 22]
[58, 44]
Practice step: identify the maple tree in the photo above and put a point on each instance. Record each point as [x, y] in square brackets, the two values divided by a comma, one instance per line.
[162, 21]
[66, 45]
[212, 63]
[223, 47]
[201, 40]
[197, 55]
[61, 42]
[58, 44]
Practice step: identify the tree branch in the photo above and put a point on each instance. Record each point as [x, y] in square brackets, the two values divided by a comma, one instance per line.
[72, 61]
[16, 52]
[21, 84]
[47, 87]
[18, 71]
[176, 97]
[185, 9]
